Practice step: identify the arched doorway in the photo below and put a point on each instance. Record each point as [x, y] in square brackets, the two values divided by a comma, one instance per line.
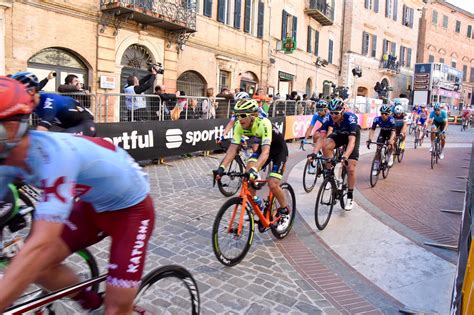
[248, 81]
[61, 61]
[362, 91]
[192, 83]
[135, 62]
[309, 87]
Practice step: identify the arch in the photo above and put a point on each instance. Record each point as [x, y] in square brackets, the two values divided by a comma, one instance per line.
[134, 62]
[465, 59]
[442, 51]
[362, 91]
[309, 87]
[249, 81]
[192, 83]
[62, 61]
[431, 48]
[454, 56]
[155, 47]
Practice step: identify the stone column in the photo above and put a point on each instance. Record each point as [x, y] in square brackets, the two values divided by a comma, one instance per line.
[4, 4]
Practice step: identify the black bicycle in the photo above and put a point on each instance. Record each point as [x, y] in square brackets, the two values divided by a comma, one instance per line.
[379, 162]
[436, 149]
[229, 184]
[313, 169]
[399, 148]
[332, 189]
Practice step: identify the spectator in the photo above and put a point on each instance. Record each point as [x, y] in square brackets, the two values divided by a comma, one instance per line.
[193, 110]
[263, 100]
[73, 85]
[168, 100]
[209, 105]
[136, 105]
[45, 81]
[224, 106]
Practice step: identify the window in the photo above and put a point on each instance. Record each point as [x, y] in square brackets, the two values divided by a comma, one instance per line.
[261, 15]
[247, 16]
[368, 4]
[430, 58]
[445, 21]
[395, 9]
[434, 17]
[374, 46]
[464, 73]
[408, 61]
[388, 8]
[208, 8]
[330, 50]
[453, 64]
[224, 79]
[471, 78]
[369, 40]
[372, 4]
[402, 55]
[405, 56]
[458, 27]
[309, 40]
[237, 13]
[469, 31]
[288, 26]
[441, 60]
[223, 11]
[407, 18]
[365, 43]
[316, 43]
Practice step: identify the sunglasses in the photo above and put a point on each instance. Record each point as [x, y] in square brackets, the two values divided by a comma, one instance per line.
[242, 116]
[384, 113]
[335, 113]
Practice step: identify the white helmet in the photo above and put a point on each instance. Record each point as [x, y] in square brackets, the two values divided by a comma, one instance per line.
[398, 110]
[242, 95]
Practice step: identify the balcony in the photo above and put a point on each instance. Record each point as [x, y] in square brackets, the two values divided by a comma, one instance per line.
[172, 15]
[390, 65]
[321, 11]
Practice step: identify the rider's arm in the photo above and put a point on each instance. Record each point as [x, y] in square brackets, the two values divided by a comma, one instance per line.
[319, 144]
[350, 146]
[145, 83]
[230, 154]
[30, 261]
[372, 129]
[263, 157]
[228, 127]
[311, 126]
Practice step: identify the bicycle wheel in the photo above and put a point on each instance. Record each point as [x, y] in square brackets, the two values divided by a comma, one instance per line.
[167, 290]
[229, 185]
[410, 130]
[375, 170]
[343, 189]
[281, 230]
[310, 175]
[416, 136]
[384, 164]
[229, 247]
[324, 203]
[437, 150]
[433, 157]
[400, 151]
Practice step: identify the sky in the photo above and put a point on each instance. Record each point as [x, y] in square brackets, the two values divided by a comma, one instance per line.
[467, 5]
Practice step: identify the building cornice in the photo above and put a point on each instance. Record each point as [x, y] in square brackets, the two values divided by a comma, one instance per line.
[6, 4]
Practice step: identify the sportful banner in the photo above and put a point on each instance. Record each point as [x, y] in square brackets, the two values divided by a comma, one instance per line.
[153, 139]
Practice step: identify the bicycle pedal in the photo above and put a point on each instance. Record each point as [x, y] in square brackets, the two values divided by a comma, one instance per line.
[261, 228]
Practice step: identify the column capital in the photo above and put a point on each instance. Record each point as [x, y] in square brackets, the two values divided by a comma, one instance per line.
[4, 4]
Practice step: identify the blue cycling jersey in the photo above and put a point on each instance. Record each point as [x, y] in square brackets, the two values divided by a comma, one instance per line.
[60, 110]
[399, 120]
[348, 124]
[385, 125]
[65, 166]
[442, 117]
[317, 118]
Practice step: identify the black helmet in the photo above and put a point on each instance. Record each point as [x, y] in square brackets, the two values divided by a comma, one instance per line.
[321, 104]
[336, 104]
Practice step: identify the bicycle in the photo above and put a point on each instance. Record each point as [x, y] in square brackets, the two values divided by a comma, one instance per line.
[465, 123]
[379, 163]
[399, 151]
[336, 188]
[435, 149]
[313, 169]
[38, 301]
[236, 222]
[412, 127]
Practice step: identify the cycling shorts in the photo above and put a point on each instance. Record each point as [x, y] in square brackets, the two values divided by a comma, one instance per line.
[384, 136]
[398, 130]
[343, 139]
[278, 159]
[85, 128]
[439, 125]
[129, 228]
[421, 121]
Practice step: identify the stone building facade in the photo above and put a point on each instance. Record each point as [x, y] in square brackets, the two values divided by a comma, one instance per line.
[447, 36]
[380, 37]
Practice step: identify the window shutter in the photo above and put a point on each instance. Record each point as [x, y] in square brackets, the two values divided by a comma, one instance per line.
[208, 8]
[409, 58]
[395, 9]
[309, 40]
[284, 25]
[248, 7]
[221, 10]
[316, 44]
[237, 13]
[374, 46]
[367, 4]
[404, 15]
[376, 6]
[464, 72]
[330, 51]
[261, 16]
[394, 49]
[387, 8]
[471, 78]
[412, 14]
[402, 55]
[385, 46]
[365, 43]
[295, 25]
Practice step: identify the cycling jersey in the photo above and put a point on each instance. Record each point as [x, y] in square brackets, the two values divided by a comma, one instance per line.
[348, 125]
[442, 117]
[399, 120]
[62, 111]
[66, 166]
[316, 118]
[385, 125]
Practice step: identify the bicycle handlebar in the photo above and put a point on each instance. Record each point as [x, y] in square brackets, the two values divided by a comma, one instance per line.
[303, 142]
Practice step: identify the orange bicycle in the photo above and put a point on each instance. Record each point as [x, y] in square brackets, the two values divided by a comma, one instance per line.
[234, 225]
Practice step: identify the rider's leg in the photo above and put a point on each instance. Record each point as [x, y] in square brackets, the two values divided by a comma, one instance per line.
[274, 185]
[328, 149]
[251, 163]
[351, 173]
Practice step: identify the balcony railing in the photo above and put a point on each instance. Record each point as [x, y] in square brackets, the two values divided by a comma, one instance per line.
[390, 64]
[172, 15]
[321, 11]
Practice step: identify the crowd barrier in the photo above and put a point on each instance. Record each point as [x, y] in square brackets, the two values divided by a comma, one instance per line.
[462, 301]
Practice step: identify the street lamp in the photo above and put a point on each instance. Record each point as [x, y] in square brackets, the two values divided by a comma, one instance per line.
[356, 72]
[320, 62]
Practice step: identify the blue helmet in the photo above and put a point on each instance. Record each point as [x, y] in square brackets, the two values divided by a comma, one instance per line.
[436, 106]
[385, 109]
[321, 104]
[336, 104]
[29, 79]
[397, 102]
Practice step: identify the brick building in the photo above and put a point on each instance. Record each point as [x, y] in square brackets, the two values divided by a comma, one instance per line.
[447, 36]
[380, 36]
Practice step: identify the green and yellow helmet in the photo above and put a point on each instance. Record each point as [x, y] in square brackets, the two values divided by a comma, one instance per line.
[246, 106]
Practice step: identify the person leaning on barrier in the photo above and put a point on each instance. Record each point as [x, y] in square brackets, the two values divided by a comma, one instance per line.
[74, 86]
[167, 99]
[136, 105]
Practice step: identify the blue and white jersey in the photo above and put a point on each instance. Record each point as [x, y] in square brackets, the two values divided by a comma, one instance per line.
[66, 166]
[316, 118]
[349, 124]
[385, 125]
[60, 110]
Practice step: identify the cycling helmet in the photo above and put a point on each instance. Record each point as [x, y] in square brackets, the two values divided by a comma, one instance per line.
[398, 110]
[385, 109]
[422, 105]
[335, 104]
[397, 102]
[242, 95]
[321, 104]
[27, 78]
[436, 106]
[246, 106]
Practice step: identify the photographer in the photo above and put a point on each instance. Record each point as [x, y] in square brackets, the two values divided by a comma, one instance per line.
[75, 88]
[136, 105]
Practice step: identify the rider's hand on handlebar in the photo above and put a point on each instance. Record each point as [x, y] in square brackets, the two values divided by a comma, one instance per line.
[219, 172]
[252, 173]
[344, 160]
[368, 143]
[220, 139]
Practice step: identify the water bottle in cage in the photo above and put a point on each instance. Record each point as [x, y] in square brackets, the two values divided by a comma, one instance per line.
[259, 202]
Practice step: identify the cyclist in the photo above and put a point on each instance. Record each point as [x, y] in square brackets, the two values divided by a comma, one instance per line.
[343, 130]
[422, 114]
[54, 109]
[395, 104]
[438, 121]
[272, 148]
[400, 124]
[321, 113]
[85, 198]
[466, 115]
[387, 130]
